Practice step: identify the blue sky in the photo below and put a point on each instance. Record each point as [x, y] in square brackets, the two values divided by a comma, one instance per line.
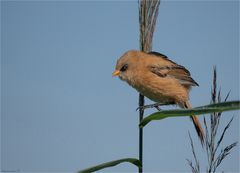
[61, 110]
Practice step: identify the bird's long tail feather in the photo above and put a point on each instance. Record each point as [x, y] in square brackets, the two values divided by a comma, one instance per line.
[196, 123]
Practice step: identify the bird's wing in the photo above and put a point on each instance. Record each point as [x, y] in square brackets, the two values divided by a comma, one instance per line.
[173, 70]
[178, 72]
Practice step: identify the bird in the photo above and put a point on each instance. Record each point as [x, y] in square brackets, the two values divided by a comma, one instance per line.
[158, 78]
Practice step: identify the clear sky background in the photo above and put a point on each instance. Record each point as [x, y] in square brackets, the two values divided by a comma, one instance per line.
[61, 110]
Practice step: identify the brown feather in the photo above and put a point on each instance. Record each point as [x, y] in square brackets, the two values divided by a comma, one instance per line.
[177, 71]
[196, 123]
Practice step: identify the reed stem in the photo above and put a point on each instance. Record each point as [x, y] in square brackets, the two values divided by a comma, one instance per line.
[148, 12]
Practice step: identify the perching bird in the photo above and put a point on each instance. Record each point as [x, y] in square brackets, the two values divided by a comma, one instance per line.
[158, 78]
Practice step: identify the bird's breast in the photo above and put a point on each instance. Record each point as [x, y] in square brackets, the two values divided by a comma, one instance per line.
[154, 89]
[154, 94]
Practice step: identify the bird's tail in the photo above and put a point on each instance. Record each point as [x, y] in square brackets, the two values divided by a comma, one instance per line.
[196, 123]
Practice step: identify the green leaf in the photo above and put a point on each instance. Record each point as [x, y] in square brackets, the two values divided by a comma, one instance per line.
[218, 107]
[110, 164]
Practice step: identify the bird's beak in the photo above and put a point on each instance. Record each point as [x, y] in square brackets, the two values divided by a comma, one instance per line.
[116, 73]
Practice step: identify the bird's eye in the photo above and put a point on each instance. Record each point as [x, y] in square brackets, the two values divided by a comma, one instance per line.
[124, 67]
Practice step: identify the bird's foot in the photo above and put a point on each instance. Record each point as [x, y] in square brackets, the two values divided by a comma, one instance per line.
[155, 105]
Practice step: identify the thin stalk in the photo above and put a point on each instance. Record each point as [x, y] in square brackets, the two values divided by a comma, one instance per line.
[141, 113]
[148, 12]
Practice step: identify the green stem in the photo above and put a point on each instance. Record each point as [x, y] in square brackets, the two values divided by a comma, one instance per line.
[141, 113]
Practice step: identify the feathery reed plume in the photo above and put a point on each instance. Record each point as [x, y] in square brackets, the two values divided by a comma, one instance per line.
[148, 13]
[195, 168]
[215, 157]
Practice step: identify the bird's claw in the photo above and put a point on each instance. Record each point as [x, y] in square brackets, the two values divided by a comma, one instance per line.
[156, 105]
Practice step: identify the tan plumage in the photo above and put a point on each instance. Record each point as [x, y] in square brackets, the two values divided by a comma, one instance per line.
[158, 78]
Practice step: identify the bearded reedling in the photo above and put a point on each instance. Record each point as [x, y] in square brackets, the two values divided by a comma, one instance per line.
[159, 79]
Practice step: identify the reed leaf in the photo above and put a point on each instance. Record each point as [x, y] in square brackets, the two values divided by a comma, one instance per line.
[218, 107]
[133, 161]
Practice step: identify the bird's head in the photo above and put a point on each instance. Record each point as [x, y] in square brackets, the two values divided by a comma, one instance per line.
[126, 65]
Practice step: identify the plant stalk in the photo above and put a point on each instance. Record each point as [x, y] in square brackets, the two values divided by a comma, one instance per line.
[141, 113]
[148, 12]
